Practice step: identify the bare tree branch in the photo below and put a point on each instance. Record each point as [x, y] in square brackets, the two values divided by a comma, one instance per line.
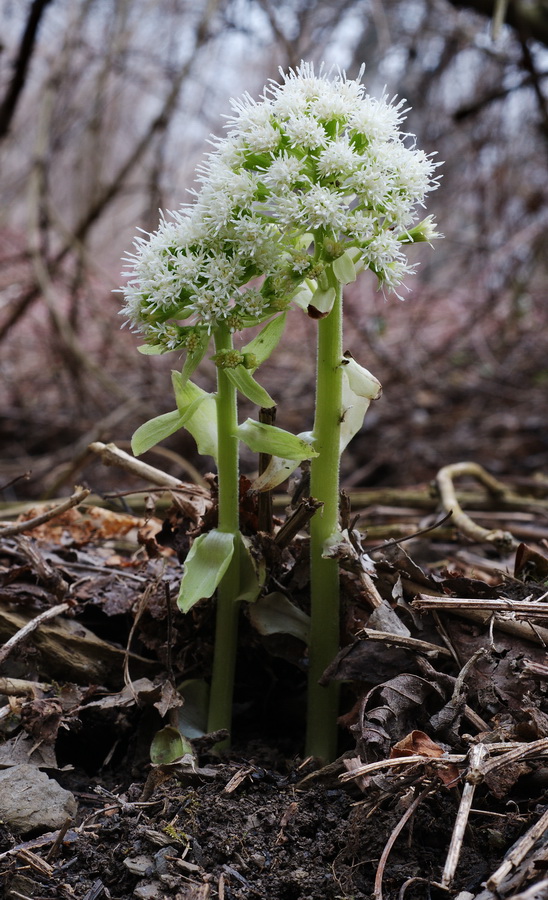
[530, 19]
[21, 65]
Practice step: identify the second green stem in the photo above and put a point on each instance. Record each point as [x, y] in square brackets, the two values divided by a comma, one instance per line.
[226, 626]
[321, 739]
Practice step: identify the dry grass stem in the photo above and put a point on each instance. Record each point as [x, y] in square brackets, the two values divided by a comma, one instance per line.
[393, 838]
[522, 751]
[518, 852]
[525, 630]
[409, 643]
[521, 608]
[477, 754]
[22, 527]
[111, 455]
[29, 627]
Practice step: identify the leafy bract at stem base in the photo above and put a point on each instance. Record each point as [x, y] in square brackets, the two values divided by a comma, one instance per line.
[205, 565]
[207, 562]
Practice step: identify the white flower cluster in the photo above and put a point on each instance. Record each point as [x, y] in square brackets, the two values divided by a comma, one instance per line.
[316, 163]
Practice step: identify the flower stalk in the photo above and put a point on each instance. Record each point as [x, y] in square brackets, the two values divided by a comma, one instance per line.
[321, 735]
[228, 608]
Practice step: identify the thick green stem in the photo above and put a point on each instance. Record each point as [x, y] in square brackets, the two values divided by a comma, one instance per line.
[321, 738]
[226, 627]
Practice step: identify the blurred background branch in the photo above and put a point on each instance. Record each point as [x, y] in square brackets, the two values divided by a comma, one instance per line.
[21, 65]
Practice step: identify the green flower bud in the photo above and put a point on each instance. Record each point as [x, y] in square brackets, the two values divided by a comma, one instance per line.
[425, 231]
[316, 271]
[333, 249]
[234, 322]
[192, 341]
[228, 359]
[250, 361]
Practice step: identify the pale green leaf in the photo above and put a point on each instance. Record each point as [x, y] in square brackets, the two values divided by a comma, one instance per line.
[199, 414]
[189, 411]
[151, 349]
[267, 340]
[155, 430]
[275, 614]
[304, 293]
[168, 745]
[252, 572]
[203, 427]
[321, 303]
[205, 565]
[242, 379]
[192, 716]
[186, 392]
[277, 471]
[275, 441]
[304, 241]
[359, 387]
[344, 269]
[360, 380]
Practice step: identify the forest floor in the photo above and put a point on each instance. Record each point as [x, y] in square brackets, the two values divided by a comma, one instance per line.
[440, 789]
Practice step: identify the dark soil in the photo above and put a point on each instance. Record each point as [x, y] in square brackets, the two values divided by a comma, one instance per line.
[270, 837]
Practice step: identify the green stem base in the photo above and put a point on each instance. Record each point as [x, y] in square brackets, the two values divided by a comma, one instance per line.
[226, 626]
[321, 737]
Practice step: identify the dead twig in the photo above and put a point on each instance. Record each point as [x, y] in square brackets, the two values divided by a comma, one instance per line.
[503, 747]
[518, 852]
[53, 851]
[522, 751]
[521, 608]
[18, 687]
[296, 522]
[47, 574]
[35, 862]
[477, 754]
[417, 758]
[111, 455]
[393, 838]
[412, 534]
[21, 65]
[524, 630]
[75, 499]
[408, 643]
[176, 458]
[70, 837]
[535, 669]
[29, 627]
[370, 591]
[536, 892]
[444, 480]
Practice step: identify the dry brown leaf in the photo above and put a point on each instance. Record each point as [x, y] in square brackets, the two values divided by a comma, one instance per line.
[418, 743]
[80, 527]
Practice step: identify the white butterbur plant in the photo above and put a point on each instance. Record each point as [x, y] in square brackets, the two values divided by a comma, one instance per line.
[310, 185]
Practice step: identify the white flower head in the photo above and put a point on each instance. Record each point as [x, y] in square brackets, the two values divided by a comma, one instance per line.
[283, 172]
[314, 163]
[338, 158]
